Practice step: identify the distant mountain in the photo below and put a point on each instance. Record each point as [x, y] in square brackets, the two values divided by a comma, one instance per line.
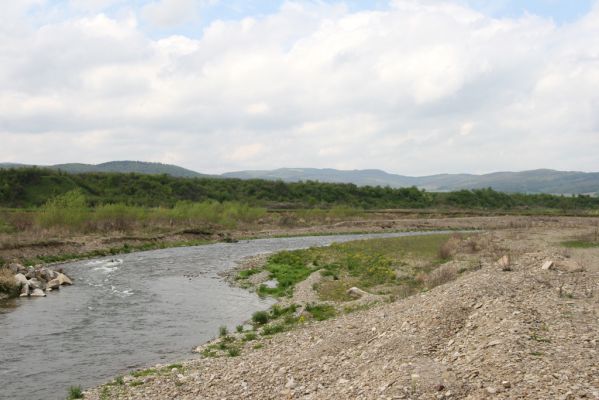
[139, 167]
[535, 181]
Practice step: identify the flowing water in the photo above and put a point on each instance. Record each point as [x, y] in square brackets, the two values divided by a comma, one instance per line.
[127, 312]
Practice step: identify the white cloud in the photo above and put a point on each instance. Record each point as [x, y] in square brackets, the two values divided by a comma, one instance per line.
[423, 87]
[169, 13]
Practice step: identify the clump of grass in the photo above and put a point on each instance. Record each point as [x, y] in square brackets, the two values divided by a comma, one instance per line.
[260, 317]
[246, 273]
[136, 383]
[223, 331]
[8, 284]
[321, 312]
[119, 380]
[440, 275]
[233, 351]
[273, 329]
[249, 336]
[144, 372]
[75, 392]
[239, 328]
[171, 366]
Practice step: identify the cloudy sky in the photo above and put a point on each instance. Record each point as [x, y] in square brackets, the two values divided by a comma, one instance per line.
[413, 87]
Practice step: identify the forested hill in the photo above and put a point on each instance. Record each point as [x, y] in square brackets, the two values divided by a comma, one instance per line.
[139, 167]
[534, 181]
[31, 187]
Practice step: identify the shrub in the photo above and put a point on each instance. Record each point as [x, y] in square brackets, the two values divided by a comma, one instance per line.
[260, 317]
[249, 336]
[239, 328]
[441, 275]
[65, 211]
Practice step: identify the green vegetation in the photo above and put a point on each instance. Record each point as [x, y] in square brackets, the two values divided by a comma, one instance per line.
[34, 187]
[260, 317]
[580, 244]
[75, 392]
[145, 372]
[223, 331]
[383, 265]
[321, 312]
[8, 284]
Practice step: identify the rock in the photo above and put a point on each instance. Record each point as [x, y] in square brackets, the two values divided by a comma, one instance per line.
[491, 390]
[569, 266]
[21, 280]
[35, 283]
[16, 268]
[506, 384]
[505, 263]
[54, 284]
[63, 279]
[38, 293]
[25, 290]
[547, 265]
[30, 273]
[355, 292]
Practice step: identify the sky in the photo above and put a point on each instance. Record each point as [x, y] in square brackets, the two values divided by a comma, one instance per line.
[413, 87]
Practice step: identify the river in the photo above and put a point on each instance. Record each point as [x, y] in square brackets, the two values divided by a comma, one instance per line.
[126, 312]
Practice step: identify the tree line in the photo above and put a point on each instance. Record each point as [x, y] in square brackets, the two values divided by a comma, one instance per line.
[33, 187]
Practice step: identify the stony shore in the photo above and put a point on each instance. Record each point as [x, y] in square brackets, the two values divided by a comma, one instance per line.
[528, 330]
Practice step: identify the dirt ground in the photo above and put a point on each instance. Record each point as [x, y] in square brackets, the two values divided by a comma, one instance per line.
[525, 330]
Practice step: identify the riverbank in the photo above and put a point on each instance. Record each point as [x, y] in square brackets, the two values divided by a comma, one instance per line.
[525, 328]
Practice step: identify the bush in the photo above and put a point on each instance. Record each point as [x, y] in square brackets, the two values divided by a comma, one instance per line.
[65, 211]
[117, 217]
[260, 317]
[272, 329]
[441, 275]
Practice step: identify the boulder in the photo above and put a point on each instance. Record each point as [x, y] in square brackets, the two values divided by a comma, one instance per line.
[54, 284]
[35, 283]
[44, 273]
[63, 279]
[505, 263]
[25, 290]
[569, 266]
[21, 280]
[355, 292]
[16, 268]
[38, 293]
[547, 265]
[30, 273]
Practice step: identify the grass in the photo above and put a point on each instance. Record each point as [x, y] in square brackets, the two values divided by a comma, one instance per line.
[321, 312]
[580, 244]
[145, 372]
[260, 317]
[223, 331]
[380, 264]
[75, 392]
[7, 282]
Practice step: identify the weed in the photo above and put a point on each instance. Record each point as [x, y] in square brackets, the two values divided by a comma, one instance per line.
[222, 331]
[249, 336]
[119, 380]
[258, 346]
[171, 366]
[239, 328]
[136, 383]
[75, 392]
[105, 393]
